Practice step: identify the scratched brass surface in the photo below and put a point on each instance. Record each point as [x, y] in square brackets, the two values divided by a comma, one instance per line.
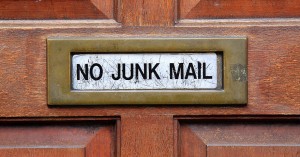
[234, 51]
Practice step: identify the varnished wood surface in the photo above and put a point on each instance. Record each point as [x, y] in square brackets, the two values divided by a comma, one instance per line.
[199, 9]
[147, 135]
[254, 151]
[219, 138]
[143, 131]
[45, 138]
[67, 24]
[189, 144]
[273, 71]
[56, 9]
[147, 13]
[42, 152]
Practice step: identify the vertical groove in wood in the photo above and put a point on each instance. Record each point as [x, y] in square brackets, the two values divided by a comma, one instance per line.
[117, 10]
[147, 135]
[117, 139]
[177, 141]
[147, 12]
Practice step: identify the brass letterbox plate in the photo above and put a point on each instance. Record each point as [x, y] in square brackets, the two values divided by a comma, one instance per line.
[88, 71]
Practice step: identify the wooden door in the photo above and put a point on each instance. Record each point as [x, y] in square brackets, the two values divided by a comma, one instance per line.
[268, 125]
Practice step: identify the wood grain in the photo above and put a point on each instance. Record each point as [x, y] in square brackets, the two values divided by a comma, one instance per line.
[219, 138]
[56, 9]
[253, 151]
[197, 9]
[189, 144]
[78, 139]
[105, 6]
[150, 135]
[147, 13]
[102, 144]
[42, 152]
[273, 71]
[273, 81]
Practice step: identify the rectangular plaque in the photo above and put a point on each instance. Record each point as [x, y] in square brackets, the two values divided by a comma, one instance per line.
[153, 71]
[144, 71]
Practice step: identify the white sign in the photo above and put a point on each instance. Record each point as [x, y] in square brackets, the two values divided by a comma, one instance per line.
[144, 71]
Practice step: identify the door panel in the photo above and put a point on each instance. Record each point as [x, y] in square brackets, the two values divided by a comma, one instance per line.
[57, 9]
[42, 152]
[254, 151]
[232, 138]
[199, 9]
[67, 139]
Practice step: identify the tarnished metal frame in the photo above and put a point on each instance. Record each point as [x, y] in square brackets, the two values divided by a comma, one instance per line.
[59, 73]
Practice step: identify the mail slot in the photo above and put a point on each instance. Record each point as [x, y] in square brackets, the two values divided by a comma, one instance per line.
[152, 71]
